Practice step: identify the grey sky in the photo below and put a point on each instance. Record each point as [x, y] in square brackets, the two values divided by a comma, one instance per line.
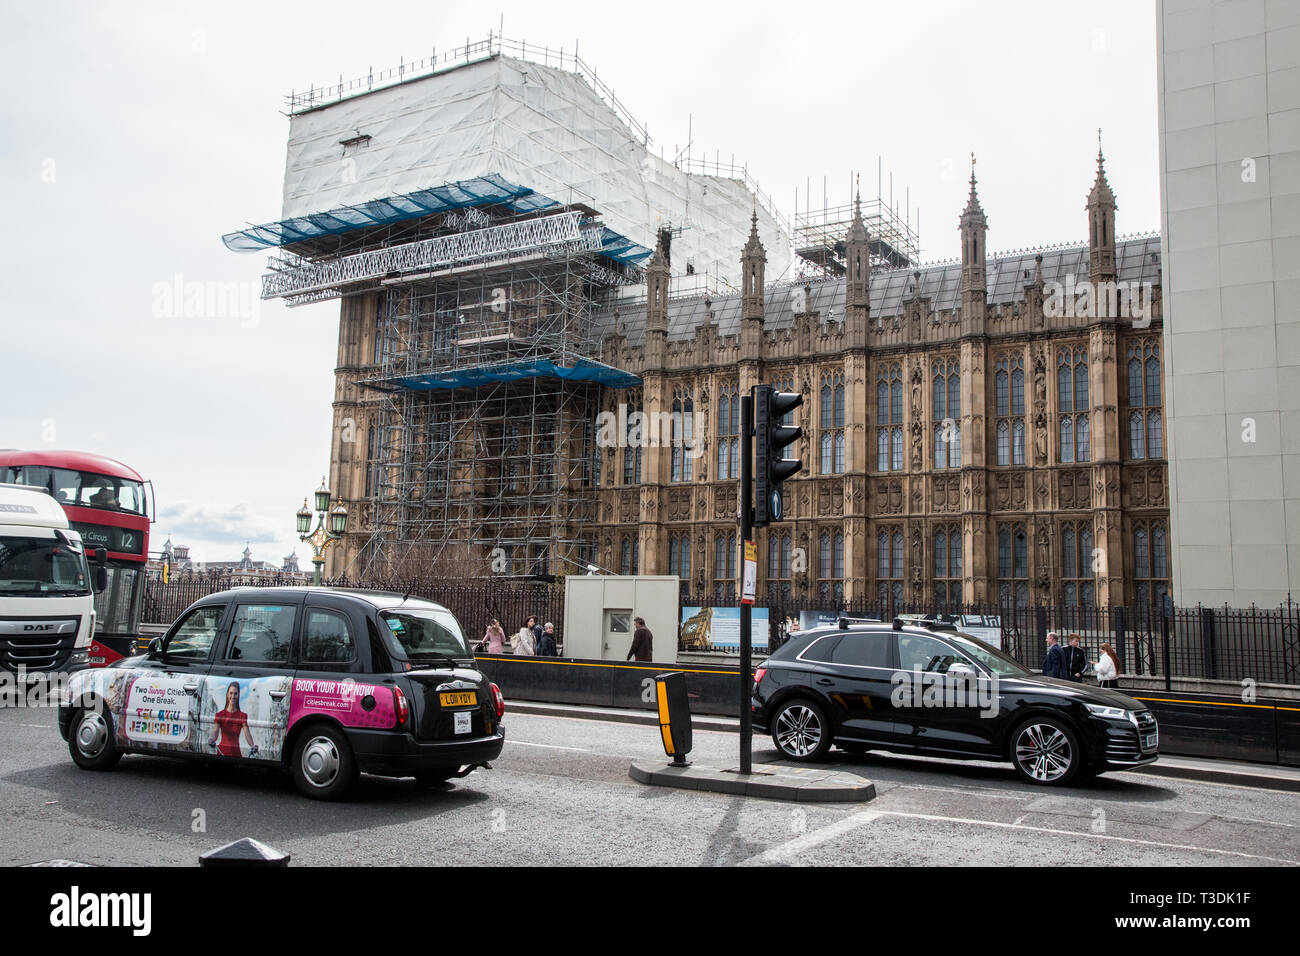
[134, 136]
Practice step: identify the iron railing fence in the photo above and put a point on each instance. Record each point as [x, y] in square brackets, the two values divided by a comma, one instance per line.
[1259, 644]
[1228, 644]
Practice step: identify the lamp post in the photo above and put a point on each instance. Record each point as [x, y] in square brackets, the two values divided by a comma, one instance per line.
[330, 525]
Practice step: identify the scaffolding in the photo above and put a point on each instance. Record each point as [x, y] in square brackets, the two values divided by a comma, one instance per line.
[819, 237]
[485, 455]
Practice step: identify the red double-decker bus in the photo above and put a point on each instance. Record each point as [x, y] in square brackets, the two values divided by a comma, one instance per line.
[107, 503]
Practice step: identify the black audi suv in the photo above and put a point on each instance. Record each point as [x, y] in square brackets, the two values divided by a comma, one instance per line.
[939, 692]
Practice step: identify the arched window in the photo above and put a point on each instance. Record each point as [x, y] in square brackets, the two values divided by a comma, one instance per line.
[1013, 566]
[1145, 434]
[1072, 396]
[889, 568]
[634, 439]
[1077, 562]
[728, 431]
[947, 413]
[889, 417]
[832, 423]
[1010, 405]
[947, 566]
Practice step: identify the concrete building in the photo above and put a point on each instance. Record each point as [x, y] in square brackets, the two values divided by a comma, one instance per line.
[1229, 85]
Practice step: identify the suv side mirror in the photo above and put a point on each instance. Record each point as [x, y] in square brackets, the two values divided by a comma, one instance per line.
[962, 668]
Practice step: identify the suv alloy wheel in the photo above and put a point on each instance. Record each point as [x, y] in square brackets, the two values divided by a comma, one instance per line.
[1045, 751]
[801, 731]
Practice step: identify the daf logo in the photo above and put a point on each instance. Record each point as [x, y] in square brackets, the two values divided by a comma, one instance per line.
[38, 627]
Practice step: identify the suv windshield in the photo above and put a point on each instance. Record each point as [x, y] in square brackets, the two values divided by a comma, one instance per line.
[426, 634]
[41, 566]
[990, 657]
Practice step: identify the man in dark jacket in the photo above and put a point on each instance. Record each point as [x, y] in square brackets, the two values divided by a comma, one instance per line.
[1054, 665]
[642, 642]
[1075, 660]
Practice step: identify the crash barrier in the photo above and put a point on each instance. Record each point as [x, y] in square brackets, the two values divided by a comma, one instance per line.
[1192, 725]
[1202, 725]
[1261, 644]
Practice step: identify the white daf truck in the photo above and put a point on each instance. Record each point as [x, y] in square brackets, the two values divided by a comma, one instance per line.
[47, 605]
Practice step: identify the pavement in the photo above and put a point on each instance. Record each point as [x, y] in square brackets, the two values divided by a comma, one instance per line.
[1229, 772]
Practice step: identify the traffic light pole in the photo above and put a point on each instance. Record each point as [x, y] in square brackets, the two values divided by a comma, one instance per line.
[746, 610]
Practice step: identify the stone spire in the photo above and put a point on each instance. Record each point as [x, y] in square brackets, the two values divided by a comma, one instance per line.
[657, 274]
[974, 228]
[857, 256]
[753, 259]
[1101, 223]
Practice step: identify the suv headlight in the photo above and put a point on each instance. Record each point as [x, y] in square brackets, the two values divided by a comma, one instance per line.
[1112, 713]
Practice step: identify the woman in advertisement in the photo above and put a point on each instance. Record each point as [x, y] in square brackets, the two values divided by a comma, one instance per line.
[231, 722]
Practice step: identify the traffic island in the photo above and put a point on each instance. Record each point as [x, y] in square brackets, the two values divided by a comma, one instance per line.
[800, 784]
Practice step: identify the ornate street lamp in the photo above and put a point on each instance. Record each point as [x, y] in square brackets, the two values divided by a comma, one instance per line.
[324, 535]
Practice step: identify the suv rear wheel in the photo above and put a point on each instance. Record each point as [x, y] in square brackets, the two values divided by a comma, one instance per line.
[323, 766]
[801, 731]
[1046, 751]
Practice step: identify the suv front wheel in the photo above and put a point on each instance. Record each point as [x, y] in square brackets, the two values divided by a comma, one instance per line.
[801, 731]
[1046, 751]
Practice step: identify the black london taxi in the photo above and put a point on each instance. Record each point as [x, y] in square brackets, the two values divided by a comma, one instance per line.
[935, 690]
[328, 683]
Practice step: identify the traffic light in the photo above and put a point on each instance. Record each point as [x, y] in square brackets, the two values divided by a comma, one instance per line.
[770, 437]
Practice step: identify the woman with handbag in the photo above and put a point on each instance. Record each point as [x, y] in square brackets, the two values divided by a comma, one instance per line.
[524, 643]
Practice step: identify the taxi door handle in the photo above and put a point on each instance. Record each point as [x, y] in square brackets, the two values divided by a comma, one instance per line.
[825, 681]
[277, 695]
[191, 688]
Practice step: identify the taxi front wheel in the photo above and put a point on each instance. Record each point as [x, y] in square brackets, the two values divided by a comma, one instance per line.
[91, 741]
[323, 766]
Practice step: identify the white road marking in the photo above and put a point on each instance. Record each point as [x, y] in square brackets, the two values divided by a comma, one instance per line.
[35, 726]
[782, 852]
[525, 743]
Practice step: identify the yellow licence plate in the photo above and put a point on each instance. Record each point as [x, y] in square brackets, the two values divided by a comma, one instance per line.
[458, 699]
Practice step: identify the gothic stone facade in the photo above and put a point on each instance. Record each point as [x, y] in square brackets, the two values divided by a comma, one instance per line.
[961, 446]
[975, 432]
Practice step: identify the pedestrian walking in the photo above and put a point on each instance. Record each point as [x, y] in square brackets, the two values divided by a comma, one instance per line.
[536, 629]
[1054, 664]
[494, 638]
[642, 642]
[524, 643]
[546, 646]
[1107, 667]
[1076, 661]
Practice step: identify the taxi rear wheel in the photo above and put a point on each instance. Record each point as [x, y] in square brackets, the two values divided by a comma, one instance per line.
[323, 766]
[90, 741]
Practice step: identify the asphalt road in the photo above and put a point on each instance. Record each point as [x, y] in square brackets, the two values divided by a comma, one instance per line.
[560, 794]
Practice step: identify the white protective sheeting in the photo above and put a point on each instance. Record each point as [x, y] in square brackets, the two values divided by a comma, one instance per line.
[536, 126]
